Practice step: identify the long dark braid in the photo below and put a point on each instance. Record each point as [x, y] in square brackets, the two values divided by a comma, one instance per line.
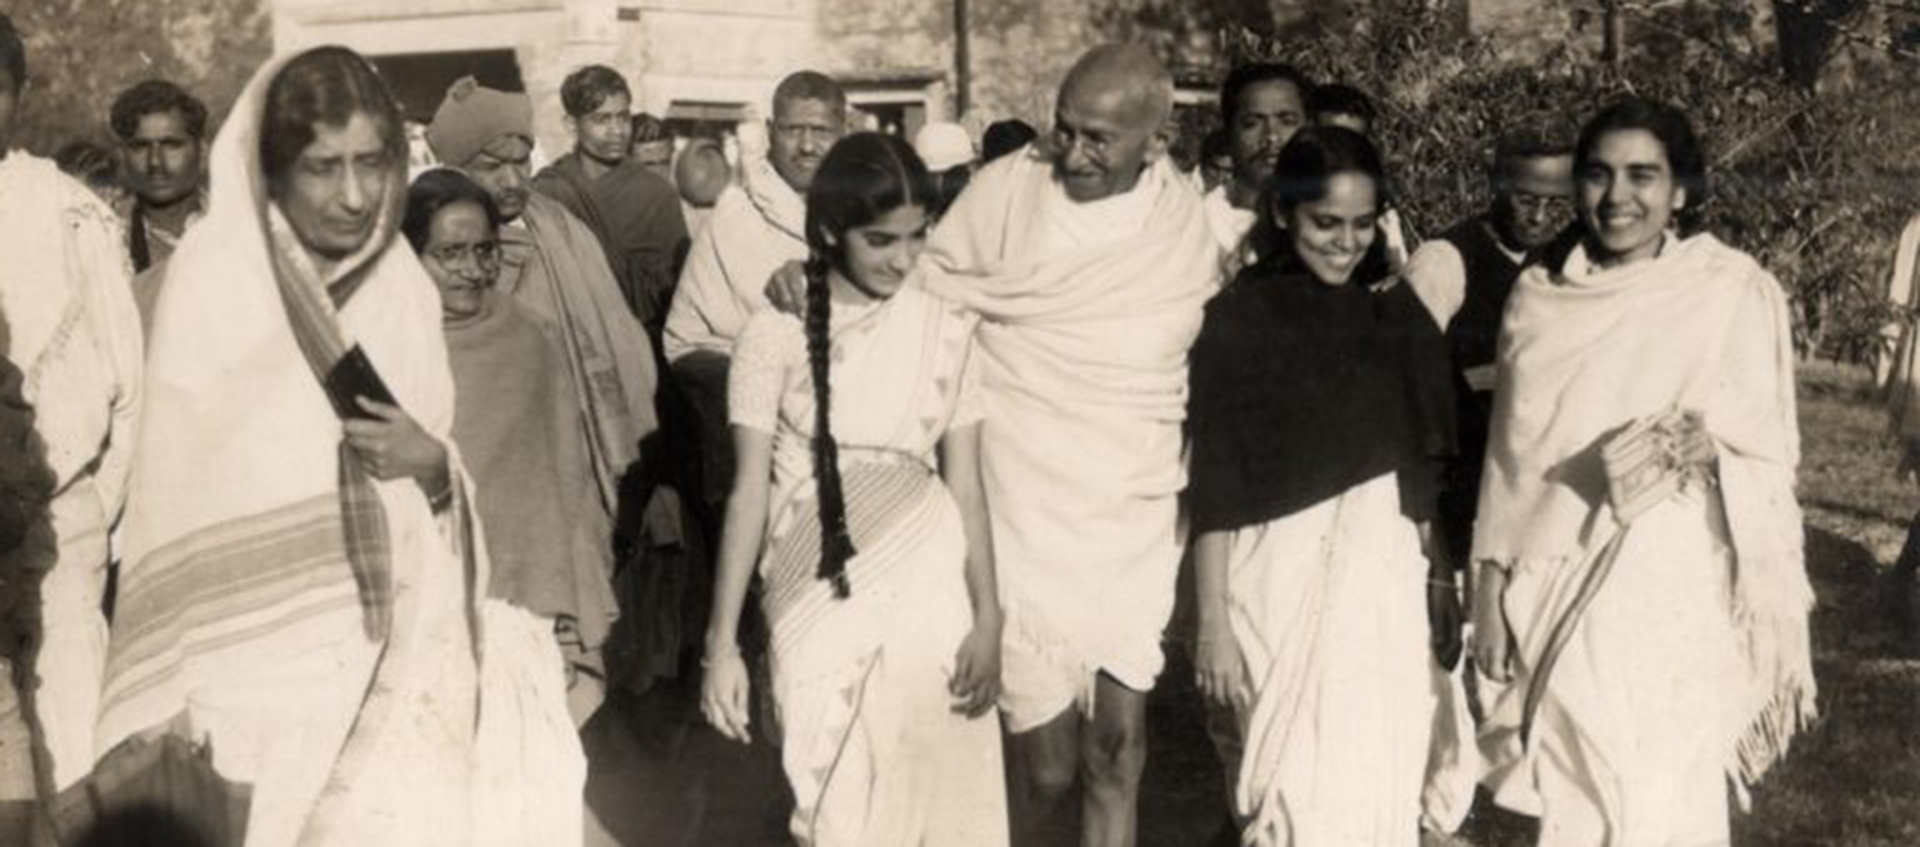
[836, 542]
[864, 176]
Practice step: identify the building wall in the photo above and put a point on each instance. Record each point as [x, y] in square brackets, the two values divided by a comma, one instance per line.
[732, 52]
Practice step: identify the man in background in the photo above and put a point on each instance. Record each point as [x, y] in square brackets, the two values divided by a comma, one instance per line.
[652, 145]
[162, 131]
[758, 225]
[634, 211]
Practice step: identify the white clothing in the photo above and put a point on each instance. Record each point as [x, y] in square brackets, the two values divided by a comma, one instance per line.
[76, 336]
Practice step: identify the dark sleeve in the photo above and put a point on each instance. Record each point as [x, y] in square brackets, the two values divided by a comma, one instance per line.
[653, 259]
[1214, 481]
[1427, 374]
[27, 547]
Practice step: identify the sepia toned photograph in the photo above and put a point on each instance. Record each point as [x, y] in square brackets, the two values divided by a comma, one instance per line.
[959, 423]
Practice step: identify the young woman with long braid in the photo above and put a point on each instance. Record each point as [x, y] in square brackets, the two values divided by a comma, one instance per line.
[874, 549]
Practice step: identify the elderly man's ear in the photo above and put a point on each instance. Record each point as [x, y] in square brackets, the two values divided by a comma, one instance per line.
[1161, 141]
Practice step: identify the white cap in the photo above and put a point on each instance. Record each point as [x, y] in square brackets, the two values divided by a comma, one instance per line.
[944, 145]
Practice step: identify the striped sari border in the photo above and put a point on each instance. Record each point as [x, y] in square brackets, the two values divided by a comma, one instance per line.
[891, 510]
[227, 584]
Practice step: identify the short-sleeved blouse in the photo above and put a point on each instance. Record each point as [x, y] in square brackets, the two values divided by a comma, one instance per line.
[901, 374]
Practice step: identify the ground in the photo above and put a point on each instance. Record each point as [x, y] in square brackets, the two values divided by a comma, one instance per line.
[659, 778]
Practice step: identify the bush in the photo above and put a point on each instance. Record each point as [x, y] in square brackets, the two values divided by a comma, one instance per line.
[1814, 183]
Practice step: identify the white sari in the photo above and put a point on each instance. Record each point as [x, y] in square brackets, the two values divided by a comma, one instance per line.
[871, 746]
[240, 625]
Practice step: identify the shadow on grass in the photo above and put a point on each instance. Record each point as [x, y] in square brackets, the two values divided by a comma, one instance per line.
[1851, 780]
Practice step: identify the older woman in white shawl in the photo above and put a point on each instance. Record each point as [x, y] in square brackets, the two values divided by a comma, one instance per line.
[303, 579]
[1657, 609]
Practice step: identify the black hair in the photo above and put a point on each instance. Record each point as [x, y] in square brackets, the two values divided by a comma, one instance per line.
[864, 176]
[13, 52]
[1255, 73]
[152, 97]
[948, 184]
[1301, 172]
[1670, 127]
[325, 86]
[1525, 142]
[1340, 99]
[1003, 137]
[435, 190]
[647, 128]
[809, 85]
[586, 89]
[1217, 143]
[87, 162]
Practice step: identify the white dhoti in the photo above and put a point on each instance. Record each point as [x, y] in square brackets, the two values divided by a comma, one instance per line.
[1090, 310]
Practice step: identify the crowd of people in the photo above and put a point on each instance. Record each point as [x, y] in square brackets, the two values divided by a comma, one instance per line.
[328, 483]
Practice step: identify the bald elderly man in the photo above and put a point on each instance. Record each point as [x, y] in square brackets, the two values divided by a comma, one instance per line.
[1090, 259]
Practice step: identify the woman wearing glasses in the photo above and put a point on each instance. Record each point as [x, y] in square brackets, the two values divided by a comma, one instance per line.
[518, 430]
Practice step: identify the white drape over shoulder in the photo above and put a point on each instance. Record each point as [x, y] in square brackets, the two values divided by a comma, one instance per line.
[239, 621]
[1090, 310]
[1584, 352]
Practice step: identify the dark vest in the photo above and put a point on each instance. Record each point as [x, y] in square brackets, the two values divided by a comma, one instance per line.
[1473, 335]
[1474, 332]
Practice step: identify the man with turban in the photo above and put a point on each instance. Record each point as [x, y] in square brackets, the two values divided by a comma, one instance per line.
[553, 266]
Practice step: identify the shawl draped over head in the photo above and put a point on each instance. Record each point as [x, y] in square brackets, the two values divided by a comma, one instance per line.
[756, 226]
[1084, 357]
[520, 435]
[554, 268]
[636, 215]
[1700, 327]
[237, 564]
[1302, 390]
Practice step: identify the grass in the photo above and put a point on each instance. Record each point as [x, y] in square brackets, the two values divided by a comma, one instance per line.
[1854, 780]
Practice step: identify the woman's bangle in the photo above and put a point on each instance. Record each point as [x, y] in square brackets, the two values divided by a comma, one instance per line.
[444, 498]
[1442, 583]
[713, 657]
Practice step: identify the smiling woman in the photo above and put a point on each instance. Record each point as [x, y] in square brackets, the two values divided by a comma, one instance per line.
[878, 568]
[1642, 650]
[1320, 412]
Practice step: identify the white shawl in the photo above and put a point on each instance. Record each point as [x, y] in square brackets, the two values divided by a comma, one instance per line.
[1702, 327]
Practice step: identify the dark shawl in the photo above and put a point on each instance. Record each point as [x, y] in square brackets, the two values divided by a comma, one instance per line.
[520, 435]
[636, 215]
[1302, 390]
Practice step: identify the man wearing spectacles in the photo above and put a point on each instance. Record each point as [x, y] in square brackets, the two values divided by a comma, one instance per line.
[1464, 276]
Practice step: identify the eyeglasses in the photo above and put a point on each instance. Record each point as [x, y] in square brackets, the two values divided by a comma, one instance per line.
[1542, 203]
[484, 254]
